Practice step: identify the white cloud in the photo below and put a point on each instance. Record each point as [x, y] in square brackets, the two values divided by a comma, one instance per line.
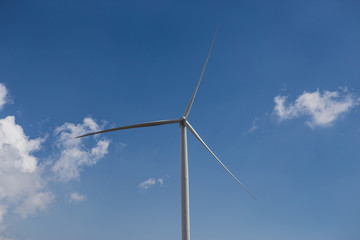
[76, 197]
[24, 178]
[147, 183]
[16, 147]
[120, 146]
[3, 95]
[32, 203]
[150, 182]
[322, 108]
[73, 155]
[253, 126]
[21, 181]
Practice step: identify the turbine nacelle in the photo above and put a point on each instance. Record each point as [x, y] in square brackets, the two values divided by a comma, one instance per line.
[182, 119]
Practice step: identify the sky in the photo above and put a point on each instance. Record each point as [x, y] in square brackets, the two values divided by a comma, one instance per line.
[278, 104]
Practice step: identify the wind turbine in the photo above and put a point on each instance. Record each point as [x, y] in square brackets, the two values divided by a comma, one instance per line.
[184, 124]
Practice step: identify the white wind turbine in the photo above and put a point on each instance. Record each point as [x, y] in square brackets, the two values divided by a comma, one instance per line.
[185, 217]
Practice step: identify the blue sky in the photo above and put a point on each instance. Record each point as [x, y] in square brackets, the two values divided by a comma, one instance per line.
[278, 104]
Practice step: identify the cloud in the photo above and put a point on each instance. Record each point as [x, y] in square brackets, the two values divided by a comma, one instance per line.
[120, 146]
[3, 95]
[73, 154]
[38, 201]
[253, 126]
[323, 109]
[24, 178]
[16, 147]
[150, 182]
[21, 182]
[147, 183]
[76, 197]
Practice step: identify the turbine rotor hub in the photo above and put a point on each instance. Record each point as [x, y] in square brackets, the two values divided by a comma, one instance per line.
[183, 119]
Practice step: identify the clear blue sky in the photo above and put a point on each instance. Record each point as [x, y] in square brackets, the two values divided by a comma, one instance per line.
[278, 104]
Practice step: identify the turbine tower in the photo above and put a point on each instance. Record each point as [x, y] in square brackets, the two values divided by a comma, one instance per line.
[184, 124]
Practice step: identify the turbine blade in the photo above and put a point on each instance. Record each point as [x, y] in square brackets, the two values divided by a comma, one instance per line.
[187, 110]
[147, 124]
[192, 130]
